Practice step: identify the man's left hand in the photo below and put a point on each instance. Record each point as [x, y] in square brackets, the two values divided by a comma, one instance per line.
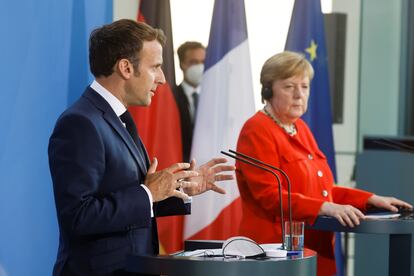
[208, 174]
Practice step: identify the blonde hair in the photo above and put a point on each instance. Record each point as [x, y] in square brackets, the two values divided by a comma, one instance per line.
[283, 66]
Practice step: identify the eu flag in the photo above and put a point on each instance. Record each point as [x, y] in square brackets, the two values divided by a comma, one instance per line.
[307, 35]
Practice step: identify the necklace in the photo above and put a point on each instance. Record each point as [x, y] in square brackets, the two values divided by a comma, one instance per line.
[289, 129]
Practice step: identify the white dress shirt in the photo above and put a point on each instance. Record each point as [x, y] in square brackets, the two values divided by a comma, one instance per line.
[119, 109]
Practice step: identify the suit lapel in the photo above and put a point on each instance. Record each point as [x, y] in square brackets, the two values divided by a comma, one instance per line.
[114, 121]
[110, 117]
[144, 150]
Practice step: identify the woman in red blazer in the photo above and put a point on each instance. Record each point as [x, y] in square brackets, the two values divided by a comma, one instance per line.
[277, 135]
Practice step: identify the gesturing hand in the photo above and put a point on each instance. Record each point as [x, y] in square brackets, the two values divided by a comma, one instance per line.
[163, 184]
[347, 215]
[208, 174]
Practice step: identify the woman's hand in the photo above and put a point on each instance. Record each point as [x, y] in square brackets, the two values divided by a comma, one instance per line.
[347, 215]
[388, 203]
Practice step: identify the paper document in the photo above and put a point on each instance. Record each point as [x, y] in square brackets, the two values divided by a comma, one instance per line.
[270, 249]
[384, 215]
[274, 250]
[201, 253]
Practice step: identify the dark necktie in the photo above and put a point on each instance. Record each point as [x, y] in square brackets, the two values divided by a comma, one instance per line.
[126, 118]
[195, 101]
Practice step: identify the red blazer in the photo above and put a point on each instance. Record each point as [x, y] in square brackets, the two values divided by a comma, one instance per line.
[311, 179]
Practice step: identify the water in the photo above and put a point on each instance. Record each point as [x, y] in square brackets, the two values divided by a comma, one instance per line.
[297, 242]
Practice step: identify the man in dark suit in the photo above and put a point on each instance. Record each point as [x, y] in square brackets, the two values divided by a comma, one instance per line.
[107, 193]
[191, 55]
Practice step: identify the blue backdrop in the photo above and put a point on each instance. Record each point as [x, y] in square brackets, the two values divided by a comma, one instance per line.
[44, 67]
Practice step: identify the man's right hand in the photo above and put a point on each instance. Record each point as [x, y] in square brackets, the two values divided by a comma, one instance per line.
[163, 184]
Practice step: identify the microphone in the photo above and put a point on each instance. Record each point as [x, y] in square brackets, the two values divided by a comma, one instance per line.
[289, 187]
[394, 144]
[263, 166]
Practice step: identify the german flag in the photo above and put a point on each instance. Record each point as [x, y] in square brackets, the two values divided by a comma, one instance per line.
[159, 124]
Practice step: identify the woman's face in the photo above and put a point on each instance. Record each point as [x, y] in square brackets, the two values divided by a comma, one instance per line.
[290, 98]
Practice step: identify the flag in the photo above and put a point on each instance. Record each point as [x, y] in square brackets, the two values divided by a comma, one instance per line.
[307, 35]
[226, 102]
[159, 124]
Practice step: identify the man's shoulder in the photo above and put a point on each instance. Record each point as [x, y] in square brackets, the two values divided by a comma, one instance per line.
[82, 107]
[178, 89]
[179, 95]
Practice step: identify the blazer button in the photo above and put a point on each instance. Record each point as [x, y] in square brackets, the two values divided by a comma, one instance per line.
[325, 193]
[320, 173]
[310, 156]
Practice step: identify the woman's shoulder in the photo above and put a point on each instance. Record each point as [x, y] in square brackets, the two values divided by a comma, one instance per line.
[302, 126]
[300, 122]
[257, 121]
[257, 132]
[305, 133]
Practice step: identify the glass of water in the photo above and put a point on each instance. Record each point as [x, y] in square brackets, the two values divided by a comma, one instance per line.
[294, 242]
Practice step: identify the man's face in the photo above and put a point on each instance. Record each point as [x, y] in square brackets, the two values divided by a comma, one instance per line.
[193, 57]
[142, 85]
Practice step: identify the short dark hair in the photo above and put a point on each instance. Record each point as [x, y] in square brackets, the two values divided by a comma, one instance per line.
[121, 39]
[189, 45]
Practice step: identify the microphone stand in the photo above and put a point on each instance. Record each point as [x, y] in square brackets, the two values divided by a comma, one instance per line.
[289, 188]
[280, 191]
[394, 144]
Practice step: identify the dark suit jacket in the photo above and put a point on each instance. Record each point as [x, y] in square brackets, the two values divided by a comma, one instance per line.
[185, 120]
[103, 212]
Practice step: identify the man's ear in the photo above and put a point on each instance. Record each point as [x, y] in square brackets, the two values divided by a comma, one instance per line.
[124, 68]
[181, 66]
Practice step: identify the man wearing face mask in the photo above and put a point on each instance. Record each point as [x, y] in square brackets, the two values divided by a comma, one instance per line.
[191, 55]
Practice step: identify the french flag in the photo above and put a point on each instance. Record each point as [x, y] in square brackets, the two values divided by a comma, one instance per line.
[226, 102]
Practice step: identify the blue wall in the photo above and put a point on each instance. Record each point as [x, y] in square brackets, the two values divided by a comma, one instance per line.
[43, 54]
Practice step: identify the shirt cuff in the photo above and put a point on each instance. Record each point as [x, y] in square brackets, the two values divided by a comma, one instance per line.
[150, 198]
[189, 200]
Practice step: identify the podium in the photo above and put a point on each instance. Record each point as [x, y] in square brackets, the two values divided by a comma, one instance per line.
[399, 230]
[303, 264]
[385, 167]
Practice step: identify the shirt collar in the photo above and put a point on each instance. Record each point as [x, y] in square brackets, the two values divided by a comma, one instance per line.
[113, 101]
[189, 90]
